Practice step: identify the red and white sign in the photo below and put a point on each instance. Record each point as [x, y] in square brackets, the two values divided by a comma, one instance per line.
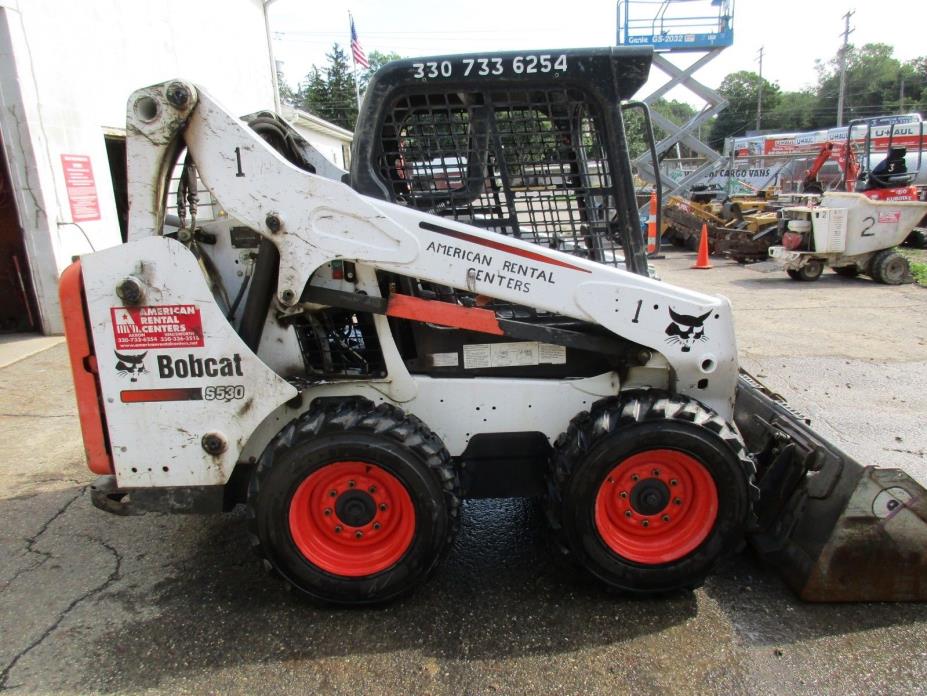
[890, 216]
[905, 193]
[82, 189]
[911, 135]
[157, 326]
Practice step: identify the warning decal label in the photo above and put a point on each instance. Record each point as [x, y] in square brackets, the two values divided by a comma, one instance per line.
[483, 355]
[82, 190]
[445, 359]
[158, 326]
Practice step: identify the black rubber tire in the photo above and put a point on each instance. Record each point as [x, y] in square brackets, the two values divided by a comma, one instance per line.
[811, 271]
[890, 267]
[692, 241]
[355, 429]
[617, 427]
[808, 273]
[847, 271]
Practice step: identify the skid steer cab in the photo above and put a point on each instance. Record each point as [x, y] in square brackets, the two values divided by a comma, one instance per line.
[467, 313]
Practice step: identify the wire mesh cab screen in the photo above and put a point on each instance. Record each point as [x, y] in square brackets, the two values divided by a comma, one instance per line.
[528, 145]
[527, 164]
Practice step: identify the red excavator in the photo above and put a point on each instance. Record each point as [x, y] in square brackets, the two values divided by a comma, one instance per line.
[889, 180]
[846, 160]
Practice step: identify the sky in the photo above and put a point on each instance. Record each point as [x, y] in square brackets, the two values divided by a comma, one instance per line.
[794, 33]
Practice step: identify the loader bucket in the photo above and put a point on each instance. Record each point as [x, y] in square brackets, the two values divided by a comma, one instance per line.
[836, 531]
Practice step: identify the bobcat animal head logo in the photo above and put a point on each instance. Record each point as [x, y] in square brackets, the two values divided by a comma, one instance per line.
[130, 366]
[686, 329]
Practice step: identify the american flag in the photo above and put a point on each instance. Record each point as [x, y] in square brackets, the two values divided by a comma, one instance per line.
[360, 58]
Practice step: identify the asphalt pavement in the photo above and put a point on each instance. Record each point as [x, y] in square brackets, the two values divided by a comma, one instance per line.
[92, 603]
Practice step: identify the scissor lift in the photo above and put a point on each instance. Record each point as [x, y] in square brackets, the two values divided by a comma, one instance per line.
[679, 26]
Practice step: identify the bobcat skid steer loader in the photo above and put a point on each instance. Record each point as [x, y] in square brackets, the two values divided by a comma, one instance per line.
[467, 313]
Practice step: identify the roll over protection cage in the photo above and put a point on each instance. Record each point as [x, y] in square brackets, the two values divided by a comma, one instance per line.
[468, 118]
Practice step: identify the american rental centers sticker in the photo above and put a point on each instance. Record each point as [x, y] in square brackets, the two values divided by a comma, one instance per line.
[157, 326]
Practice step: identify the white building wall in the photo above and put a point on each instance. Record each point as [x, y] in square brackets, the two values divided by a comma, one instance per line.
[66, 71]
[330, 146]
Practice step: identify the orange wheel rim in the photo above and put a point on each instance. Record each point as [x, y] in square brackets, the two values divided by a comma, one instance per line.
[352, 519]
[656, 506]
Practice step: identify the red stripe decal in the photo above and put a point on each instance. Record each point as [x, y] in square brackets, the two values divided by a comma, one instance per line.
[500, 246]
[443, 313]
[138, 396]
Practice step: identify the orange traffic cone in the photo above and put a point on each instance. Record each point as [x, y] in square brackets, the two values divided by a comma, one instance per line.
[701, 260]
[652, 225]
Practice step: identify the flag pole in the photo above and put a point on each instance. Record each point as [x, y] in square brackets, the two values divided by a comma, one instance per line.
[354, 61]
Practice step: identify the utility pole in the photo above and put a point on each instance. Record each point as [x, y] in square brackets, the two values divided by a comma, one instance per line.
[275, 85]
[901, 97]
[759, 91]
[843, 66]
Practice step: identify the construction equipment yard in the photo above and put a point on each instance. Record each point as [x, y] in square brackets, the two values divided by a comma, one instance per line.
[178, 604]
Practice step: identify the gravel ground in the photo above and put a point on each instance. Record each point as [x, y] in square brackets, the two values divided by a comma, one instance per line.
[91, 603]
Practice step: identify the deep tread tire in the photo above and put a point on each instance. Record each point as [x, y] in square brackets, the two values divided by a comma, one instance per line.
[618, 427]
[354, 428]
[890, 267]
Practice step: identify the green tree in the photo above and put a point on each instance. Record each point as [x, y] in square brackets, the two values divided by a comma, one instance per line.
[741, 89]
[676, 111]
[329, 93]
[914, 76]
[313, 93]
[341, 90]
[872, 84]
[377, 60]
[795, 111]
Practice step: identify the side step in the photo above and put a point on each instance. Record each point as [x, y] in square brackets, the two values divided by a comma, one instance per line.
[836, 530]
[106, 495]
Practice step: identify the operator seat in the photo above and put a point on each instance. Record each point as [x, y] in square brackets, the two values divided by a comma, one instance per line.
[892, 172]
